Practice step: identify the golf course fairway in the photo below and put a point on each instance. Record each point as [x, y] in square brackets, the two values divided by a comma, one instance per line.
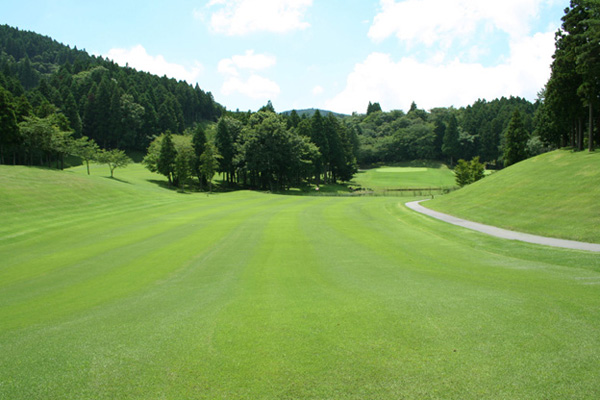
[121, 289]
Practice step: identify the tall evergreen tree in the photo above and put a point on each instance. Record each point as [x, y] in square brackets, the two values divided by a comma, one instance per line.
[9, 130]
[70, 110]
[319, 138]
[199, 143]
[451, 142]
[225, 146]
[515, 149]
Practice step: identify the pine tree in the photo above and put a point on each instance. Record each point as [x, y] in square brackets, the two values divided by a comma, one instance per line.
[224, 145]
[9, 130]
[319, 138]
[515, 149]
[451, 142]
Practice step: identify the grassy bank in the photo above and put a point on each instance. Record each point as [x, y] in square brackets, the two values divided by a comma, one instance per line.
[555, 194]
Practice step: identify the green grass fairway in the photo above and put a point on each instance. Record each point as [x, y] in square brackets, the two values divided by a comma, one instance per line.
[119, 289]
[556, 194]
[406, 176]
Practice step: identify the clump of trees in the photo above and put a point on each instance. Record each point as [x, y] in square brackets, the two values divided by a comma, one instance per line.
[262, 150]
[179, 157]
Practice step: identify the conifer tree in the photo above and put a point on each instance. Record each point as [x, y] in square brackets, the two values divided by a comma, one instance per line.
[451, 142]
[319, 138]
[9, 130]
[515, 149]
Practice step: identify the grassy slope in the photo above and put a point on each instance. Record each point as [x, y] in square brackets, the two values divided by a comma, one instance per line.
[555, 194]
[124, 290]
[407, 175]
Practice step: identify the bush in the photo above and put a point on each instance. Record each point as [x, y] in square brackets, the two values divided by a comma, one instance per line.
[467, 172]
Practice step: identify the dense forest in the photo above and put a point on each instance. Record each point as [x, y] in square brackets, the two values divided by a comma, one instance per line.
[56, 101]
[117, 107]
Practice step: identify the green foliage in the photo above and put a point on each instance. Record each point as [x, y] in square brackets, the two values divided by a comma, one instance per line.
[517, 137]
[166, 160]
[117, 107]
[114, 159]
[199, 144]
[451, 143]
[476, 130]
[373, 107]
[208, 164]
[184, 163]
[86, 149]
[228, 130]
[467, 172]
[462, 172]
[9, 131]
[572, 90]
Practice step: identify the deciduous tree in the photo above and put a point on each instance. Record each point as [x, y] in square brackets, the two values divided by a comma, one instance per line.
[114, 159]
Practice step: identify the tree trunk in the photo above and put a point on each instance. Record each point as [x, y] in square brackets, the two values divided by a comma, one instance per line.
[591, 129]
[580, 135]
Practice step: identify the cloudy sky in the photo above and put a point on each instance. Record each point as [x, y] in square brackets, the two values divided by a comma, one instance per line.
[332, 54]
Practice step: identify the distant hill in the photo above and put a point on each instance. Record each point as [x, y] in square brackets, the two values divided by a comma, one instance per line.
[309, 112]
[116, 106]
[554, 194]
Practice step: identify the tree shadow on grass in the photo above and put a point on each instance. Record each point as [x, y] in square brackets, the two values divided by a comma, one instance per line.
[118, 180]
[162, 184]
[189, 189]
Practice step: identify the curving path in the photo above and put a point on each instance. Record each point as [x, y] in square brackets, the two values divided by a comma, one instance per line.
[504, 233]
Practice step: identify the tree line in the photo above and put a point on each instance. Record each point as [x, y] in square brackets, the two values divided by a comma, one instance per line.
[479, 130]
[55, 100]
[571, 97]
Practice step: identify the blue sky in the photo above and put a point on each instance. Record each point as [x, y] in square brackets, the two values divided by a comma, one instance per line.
[334, 54]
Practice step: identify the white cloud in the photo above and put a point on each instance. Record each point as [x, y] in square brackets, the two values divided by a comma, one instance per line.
[317, 90]
[138, 58]
[254, 61]
[396, 84]
[442, 22]
[255, 87]
[240, 17]
[240, 75]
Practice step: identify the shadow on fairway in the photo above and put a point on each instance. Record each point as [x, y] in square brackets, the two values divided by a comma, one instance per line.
[118, 180]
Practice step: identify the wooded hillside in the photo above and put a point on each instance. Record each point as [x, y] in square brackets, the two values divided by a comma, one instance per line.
[118, 107]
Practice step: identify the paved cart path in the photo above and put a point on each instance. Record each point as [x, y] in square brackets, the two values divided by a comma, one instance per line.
[504, 233]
